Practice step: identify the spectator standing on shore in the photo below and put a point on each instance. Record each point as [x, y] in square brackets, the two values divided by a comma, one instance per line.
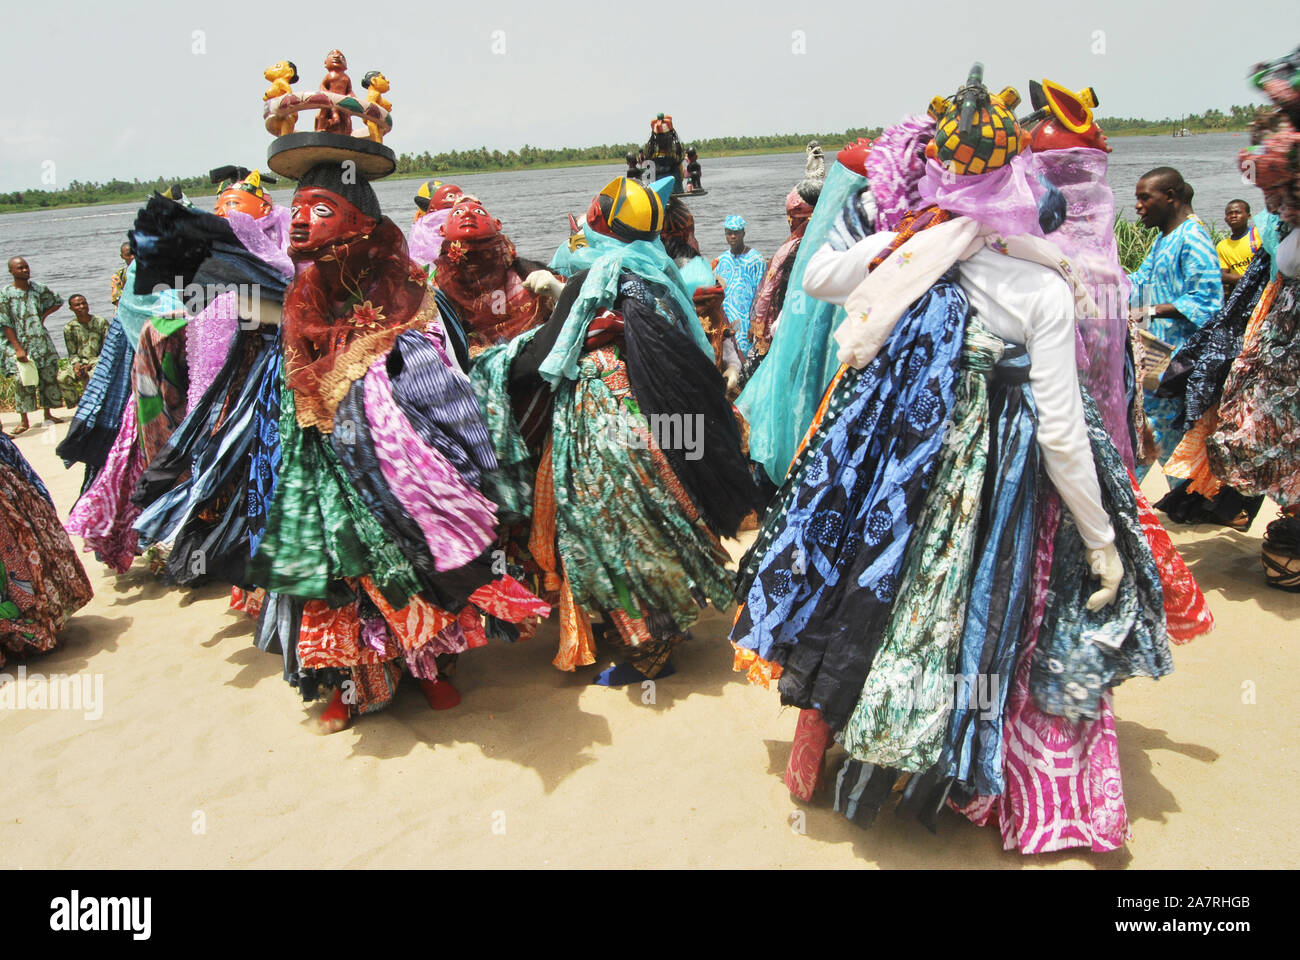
[24, 305]
[119, 275]
[83, 336]
[1236, 251]
[740, 268]
[1178, 287]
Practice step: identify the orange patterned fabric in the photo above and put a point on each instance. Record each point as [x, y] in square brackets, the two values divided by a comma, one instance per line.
[415, 624]
[541, 539]
[247, 601]
[331, 637]
[757, 671]
[577, 645]
[1190, 460]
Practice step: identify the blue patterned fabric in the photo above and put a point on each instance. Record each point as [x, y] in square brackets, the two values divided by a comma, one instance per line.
[1000, 586]
[265, 455]
[834, 541]
[1182, 269]
[99, 413]
[11, 456]
[742, 275]
[441, 406]
[1082, 653]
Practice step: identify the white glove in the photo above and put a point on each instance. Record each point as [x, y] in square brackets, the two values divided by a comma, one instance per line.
[1106, 565]
[732, 376]
[543, 283]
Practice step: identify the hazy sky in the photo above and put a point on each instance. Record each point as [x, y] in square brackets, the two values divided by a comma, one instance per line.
[97, 90]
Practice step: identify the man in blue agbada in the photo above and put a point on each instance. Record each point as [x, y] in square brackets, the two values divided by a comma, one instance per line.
[741, 268]
[1178, 287]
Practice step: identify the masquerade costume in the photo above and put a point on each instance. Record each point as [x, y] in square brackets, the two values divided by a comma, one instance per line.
[214, 257]
[368, 531]
[42, 582]
[478, 271]
[1254, 446]
[898, 565]
[625, 513]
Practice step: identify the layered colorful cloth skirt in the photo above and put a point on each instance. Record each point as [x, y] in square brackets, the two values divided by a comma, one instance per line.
[42, 583]
[1255, 446]
[630, 541]
[818, 585]
[373, 553]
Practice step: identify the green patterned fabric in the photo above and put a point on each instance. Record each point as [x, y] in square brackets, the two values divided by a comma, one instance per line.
[21, 310]
[902, 716]
[510, 486]
[623, 535]
[318, 529]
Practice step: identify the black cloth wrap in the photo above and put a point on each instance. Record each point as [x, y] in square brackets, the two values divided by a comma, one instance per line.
[1196, 373]
[171, 241]
[670, 376]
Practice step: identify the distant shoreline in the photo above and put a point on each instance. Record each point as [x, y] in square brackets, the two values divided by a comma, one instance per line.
[143, 195]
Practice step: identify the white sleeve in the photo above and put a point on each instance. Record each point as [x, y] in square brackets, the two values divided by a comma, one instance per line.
[1287, 256]
[831, 275]
[1062, 434]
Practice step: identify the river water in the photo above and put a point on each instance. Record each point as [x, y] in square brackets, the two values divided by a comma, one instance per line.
[75, 250]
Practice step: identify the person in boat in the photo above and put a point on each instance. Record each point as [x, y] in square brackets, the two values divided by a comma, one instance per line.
[1177, 288]
[664, 150]
[693, 176]
[626, 515]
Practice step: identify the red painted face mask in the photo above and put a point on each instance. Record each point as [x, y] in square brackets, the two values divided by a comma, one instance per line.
[322, 218]
[469, 222]
[1051, 135]
[446, 197]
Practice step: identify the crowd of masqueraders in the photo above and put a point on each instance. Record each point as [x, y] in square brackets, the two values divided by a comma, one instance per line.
[932, 407]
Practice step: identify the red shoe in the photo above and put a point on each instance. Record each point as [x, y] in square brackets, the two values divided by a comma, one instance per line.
[335, 717]
[440, 694]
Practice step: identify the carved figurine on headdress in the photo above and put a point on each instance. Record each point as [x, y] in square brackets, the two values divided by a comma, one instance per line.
[336, 80]
[281, 75]
[378, 85]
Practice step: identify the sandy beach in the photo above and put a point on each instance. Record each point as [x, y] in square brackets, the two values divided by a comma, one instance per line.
[204, 757]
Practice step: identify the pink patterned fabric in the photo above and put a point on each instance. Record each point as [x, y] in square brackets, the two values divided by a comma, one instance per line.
[104, 514]
[1004, 201]
[267, 237]
[207, 341]
[895, 166]
[1063, 782]
[458, 522]
[426, 237]
[1087, 238]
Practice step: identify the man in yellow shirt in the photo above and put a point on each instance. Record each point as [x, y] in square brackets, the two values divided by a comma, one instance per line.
[1236, 252]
